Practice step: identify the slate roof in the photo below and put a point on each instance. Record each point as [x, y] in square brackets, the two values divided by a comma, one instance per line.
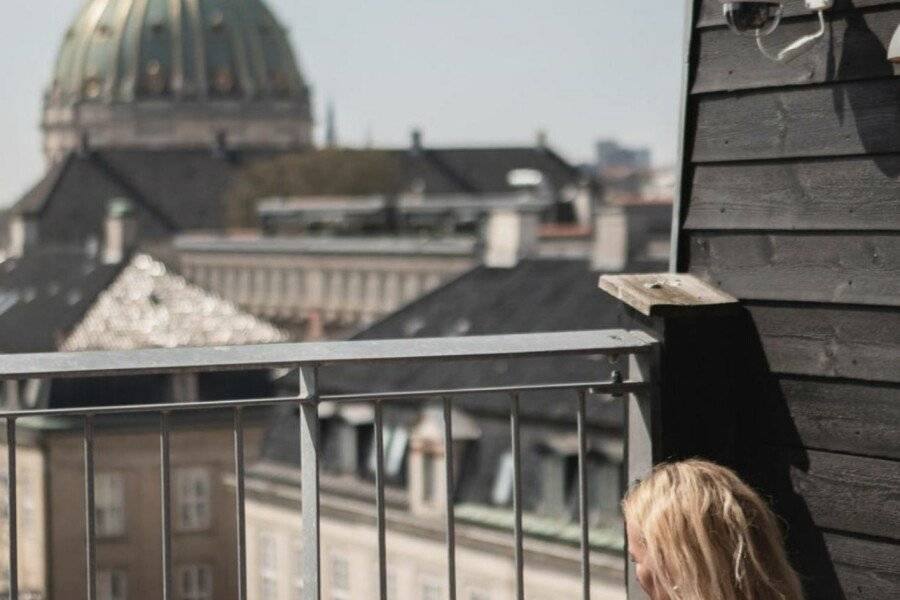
[149, 307]
[177, 190]
[66, 299]
[537, 295]
[172, 190]
[44, 294]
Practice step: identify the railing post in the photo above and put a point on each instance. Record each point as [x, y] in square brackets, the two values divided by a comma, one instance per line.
[642, 444]
[309, 465]
[685, 411]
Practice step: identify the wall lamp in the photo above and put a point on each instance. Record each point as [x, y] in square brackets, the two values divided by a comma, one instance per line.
[759, 18]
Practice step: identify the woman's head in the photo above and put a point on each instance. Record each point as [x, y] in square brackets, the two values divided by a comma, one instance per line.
[697, 532]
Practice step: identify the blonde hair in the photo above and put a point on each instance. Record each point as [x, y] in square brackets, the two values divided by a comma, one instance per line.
[708, 535]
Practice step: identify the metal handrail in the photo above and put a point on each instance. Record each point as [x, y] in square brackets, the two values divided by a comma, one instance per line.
[181, 360]
[306, 359]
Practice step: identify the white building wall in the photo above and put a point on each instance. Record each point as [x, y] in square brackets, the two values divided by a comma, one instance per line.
[414, 563]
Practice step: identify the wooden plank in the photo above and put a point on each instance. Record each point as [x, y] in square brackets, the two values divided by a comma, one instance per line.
[711, 14]
[853, 343]
[838, 194]
[849, 493]
[838, 416]
[664, 294]
[866, 569]
[860, 117]
[854, 47]
[850, 268]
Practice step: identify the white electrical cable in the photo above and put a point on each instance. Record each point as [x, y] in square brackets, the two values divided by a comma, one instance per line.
[798, 47]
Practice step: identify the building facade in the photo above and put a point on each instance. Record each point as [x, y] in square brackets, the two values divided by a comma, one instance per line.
[319, 287]
[128, 509]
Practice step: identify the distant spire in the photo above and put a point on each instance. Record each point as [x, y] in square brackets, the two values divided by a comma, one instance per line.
[331, 127]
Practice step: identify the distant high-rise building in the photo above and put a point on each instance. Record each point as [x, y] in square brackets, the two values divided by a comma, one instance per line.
[611, 154]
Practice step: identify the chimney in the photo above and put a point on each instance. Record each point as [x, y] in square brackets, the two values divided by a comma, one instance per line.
[541, 140]
[416, 140]
[510, 234]
[610, 247]
[23, 235]
[120, 231]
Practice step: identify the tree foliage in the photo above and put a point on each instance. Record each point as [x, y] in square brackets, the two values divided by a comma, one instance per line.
[329, 172]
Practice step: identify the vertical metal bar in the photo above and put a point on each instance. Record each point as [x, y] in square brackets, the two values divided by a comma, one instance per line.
[379, 500]
[165, 478]
[450, 490]
[517, 496]
[641, 442]
[89, 516]
[12, 511]
[309, 465]
[583, 496]
[239, 503]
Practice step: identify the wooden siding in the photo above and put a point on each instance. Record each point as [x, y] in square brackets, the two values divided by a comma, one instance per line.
[838, 194]
[839, 416]
[790, 201]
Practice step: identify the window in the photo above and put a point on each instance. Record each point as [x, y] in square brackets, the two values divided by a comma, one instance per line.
[556, 475]
[4, 496]
[109, 504]
[395, 442]
[194, 510]
[112, 585]
[431, 590]
[340, 578]
[392, 586]
[503, 481]
[195, 583]
[429, 469]
[606, 484]
[348, 457]
[268, 565]
[296, 573]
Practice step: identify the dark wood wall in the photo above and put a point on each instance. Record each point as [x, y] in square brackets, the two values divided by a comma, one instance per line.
[790, 201]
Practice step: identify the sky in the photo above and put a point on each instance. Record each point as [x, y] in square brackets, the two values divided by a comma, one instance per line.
[463, 71]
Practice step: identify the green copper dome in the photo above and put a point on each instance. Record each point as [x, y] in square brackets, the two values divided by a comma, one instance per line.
[122, 51]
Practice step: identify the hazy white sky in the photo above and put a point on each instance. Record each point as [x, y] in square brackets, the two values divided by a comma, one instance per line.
[465, 71]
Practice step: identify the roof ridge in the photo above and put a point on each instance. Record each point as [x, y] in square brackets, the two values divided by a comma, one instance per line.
[449, 171]
[123, 182]
[56, 172]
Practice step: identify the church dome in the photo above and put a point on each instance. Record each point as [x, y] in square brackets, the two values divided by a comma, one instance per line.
[223, 67]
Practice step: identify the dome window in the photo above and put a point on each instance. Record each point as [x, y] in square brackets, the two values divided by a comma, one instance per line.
[93, 87]
[218, 21]
[280, 83]
[154, 78]
[104, 30]
[158, 28]
[223, 81]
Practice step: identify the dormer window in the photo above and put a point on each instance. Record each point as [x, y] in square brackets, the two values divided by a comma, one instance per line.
[501, 494]
[427, 485]
[396, 442]
[558, 474]
[349, 432]
[524, 178]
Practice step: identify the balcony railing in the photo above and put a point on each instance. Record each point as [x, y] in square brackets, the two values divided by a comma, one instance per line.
[635, 386]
